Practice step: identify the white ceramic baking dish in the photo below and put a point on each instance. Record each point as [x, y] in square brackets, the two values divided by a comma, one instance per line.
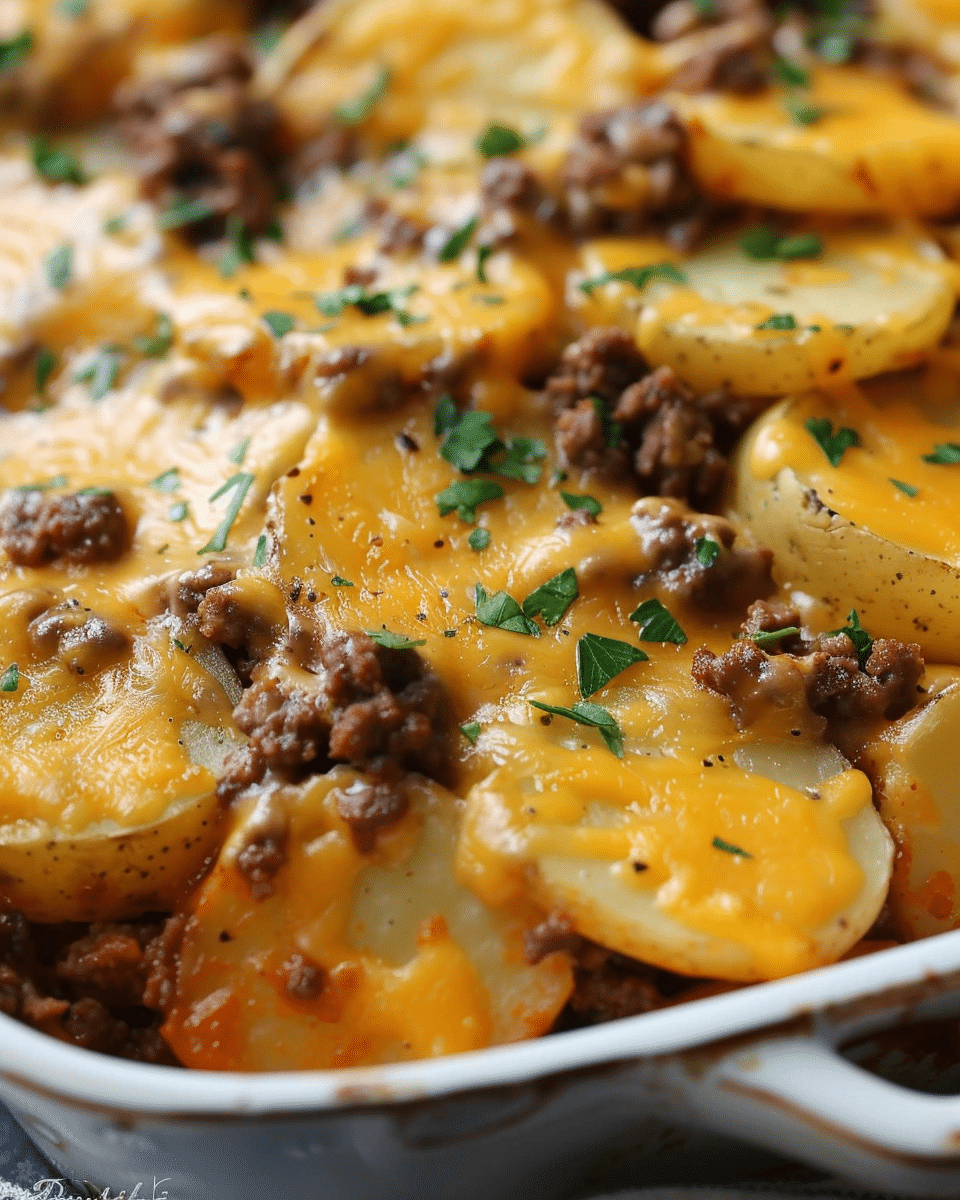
[539, 1119]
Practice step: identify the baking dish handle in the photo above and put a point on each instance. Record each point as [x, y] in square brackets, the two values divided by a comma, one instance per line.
[797, 1095]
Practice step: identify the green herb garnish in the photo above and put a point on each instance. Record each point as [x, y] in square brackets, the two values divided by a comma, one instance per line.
[167, 481]
[55, 165]
[157, 344]
[239, 452]
[483, 253]
[356, 111]
[501, 611]
[456, 243]
[240, 250]
[907, 488]
[279, 323]
[445, 416]
[394, 641]
[611, 428]
[469, 436]
[944, 453]
[182, 212]
[239, 484]
[178, 511]
[729, 848]
[599, 659]
[835, 445]
[15, 50]
[471, 731]
[779, 321]
[465, 495]
[59, 266]
[479, 539]
[802, 112]
[585, 713]
[862, 641]
[639, 277]
[43, 367]
[10, 679]
[588, 503]
[101, 372]
[790, 73]
[707, 551]
[762, 243]
[657, 624]
[499, 140]
[767, 637]
[260, 553]
[552, 599]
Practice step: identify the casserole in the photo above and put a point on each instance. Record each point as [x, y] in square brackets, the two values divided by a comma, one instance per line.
[411, 841]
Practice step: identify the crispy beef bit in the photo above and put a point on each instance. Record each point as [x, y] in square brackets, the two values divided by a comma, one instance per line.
[509, 183]
[108, 963]
[400, 235]
[160, 960]
[83, 527]
[83, 641]
[733, 48]
[288, 725]
[669, 532]
[258, 862]
[581, 436]
[625, 172]
[245, 617]
[368, 807]
[185, 593]
[554, 933]
[608, 986]
[197, 134]
[603, 363]
[822, 673]
[304, 980]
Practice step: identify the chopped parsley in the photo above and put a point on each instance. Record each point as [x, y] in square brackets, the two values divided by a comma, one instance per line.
[465, 495]
[944, 453]
[479, 539]
[260, 553]
[117, 224]
[599, 659]
[55, 165]
[552, 599]
[10, 679]
[499, 140]
[394, 641]
[184, 211]
[471, 731]
[520, 458]
[44, 485]
[239, 484]
[101, 372]
[339, 581]
[483, 253]
[15, 50]
[707, 551]
[350, 229]
[158, 343]
[589, 503]
[279, 323]
[332, 304]
[356, 111]
[167, 481]
[801, 111]
[178, 511]
[908, 489]
[491, 299]
[790, 73]
[729, 848]
[835, 445]
[59, 266]
[767, 637]
[780, 322]
[501, 611]
[862, 641]
[239, 452]
[407, 165]
[639, 277]
[585, 713]
[657, 624]
[611, 428]
[240, 249]
[43, 367]
[469, 436]
[763, 243]
[457, 242]
[471, 443]
[74, 8]
[446, 415]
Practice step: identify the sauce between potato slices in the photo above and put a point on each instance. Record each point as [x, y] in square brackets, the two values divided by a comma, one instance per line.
[478, 540]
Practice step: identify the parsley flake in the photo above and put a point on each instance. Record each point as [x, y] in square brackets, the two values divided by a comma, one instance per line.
[611, 428]
[600, 659]
[157, 344]
[15, 50]
[59, 265]
[394, 641]
[944, 453]
[178, 511]
[240, 250]
[471, 731]
[585, 713]
[468, 439]
[707, 551]
[239, 484]
[790, 73]
[260, 553]
[101, 372]
[729, 848]
[479, 539]
[588, 503]
[456, 243]
[167, 481]
[356, 111]
[43, 367]
[501, 611]
[339, 581]
[763, 244]
[45, 485]
[552, 599]
[768, 637]
[279, 323]
[908, 489]
[706, 10]
[780, 322]
[499, 140]
[862, 641]
[184, 211]
[239, 452]
[55, 165]
[802, 112]
[446, 415]
[464, 496]
[657, 624]
[483, 253]
[10, 679]
[74, 8]
[639, 277]
[835, 445]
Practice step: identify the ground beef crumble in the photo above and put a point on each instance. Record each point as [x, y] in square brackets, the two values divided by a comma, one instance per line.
[819, 671]
[615, 415]
[37, 528]
[83, 641]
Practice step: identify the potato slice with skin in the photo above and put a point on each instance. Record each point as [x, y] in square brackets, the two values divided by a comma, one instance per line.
[720, 872]
[874, 149]
[911, 763]
[850, 535]
[406, 963]
[873, 301]
[107, 812]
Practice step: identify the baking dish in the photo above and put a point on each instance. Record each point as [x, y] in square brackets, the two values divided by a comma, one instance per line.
[537, 1119]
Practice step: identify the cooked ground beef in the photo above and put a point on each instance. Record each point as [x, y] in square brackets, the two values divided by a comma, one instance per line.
[82, 640]
[616, 415]
[625, 173]
[380, 710]
[197, 134]
[669, 533]
[509, 183]
[304, 980]
[37, 528]
[555, 932]
[821, 671]
[735, 54]
[608, 986]
[185, 594]
[400, 234]
[369, 807]
[258, 862]
[93, 985]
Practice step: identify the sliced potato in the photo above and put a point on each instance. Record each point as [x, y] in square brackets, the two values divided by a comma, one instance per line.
[912, 765]
[107, 780]
[873, 301]
[707, 868]
[871, 148]
[403, 961]
[878, 532]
